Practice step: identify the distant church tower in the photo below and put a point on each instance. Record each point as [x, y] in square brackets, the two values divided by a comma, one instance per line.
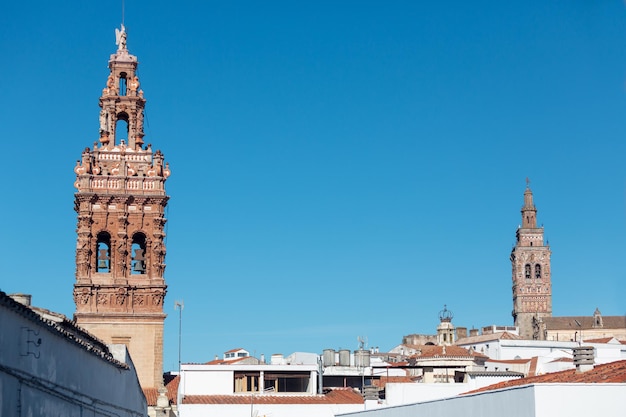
[530, 261]
[445, 329]
[120, 252]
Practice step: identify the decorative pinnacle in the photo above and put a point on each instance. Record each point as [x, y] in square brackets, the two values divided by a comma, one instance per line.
[445, 315]
[120, 38]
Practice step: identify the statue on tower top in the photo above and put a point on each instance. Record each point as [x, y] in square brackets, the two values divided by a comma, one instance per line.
[120, 38]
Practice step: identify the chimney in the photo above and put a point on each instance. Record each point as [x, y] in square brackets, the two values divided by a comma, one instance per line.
[461, 332]
[473, 332]
[583, 358]
[22, 298]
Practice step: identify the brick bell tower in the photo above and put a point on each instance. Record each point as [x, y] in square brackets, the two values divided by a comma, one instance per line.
[530, 261]
[120, 252]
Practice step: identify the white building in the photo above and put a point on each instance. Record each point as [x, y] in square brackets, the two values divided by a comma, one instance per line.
[550, 355]
[282, 388]
[49, 366]
[600, 391]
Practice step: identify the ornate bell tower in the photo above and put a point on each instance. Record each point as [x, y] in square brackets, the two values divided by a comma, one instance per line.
[530, 261]
[120, 252]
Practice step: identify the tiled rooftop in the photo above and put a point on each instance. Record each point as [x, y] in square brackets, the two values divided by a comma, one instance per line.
[430, 351]
[509, 361]
[171, 384]
[229, 361]
[599, 340]
[614, 372]
[584, 322]
[334, 396]
[488, 337]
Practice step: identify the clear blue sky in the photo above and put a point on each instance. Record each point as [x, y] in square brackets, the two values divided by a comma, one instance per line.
[339, 168]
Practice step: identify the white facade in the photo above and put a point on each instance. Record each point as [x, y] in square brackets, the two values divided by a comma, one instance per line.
[220, 379]
[50, 367]
[540, 400]
[505, 349]
[214, 390]
[268, 410]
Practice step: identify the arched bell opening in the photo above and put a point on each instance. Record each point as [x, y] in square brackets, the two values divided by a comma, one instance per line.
[527, 271]
[122, 83]
[103, 250]
[138, 254]
[121, 128]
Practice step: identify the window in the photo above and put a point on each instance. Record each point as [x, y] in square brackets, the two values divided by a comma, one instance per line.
[537, 271]
[138, 253]
[246, 381]
[103, 249]
[123, 84]
[527, 271]
[287, 381]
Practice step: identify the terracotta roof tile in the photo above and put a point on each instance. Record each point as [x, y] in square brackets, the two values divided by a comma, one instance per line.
[431, 351]
[488, 337]
[599, 340]
[171, 384]
[532, 371]
[584, 322]
[224, 361]
[151, 395]
[384, 380]
[570, 360]
[510, 361]
[613, 372]
[334, 396]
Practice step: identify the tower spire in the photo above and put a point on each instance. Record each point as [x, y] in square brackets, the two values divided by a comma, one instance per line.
[529, 211]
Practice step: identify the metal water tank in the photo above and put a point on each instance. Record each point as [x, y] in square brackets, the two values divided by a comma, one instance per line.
[344, 357]
[362, 358]
[328, 357]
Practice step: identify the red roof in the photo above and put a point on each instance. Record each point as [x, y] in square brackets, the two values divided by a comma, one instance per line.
[431, 351]
[511, 361]
[228, 361]
[599, 340]
[384, 380]
[171, 384]
[334, 396]
[234, 350]
[614, 372]
[533, 366]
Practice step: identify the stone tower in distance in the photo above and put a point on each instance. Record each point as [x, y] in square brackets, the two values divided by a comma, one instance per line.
[120, 251]
[530, 261]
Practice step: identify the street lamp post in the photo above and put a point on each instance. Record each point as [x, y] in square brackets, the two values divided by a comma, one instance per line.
[179, 305]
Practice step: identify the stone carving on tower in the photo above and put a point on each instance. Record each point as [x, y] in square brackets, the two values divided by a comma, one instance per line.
[120, 201]
[530, 262]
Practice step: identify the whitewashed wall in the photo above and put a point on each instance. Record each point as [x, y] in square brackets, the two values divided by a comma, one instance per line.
[546, 400]
[274, 410]
[43, 373]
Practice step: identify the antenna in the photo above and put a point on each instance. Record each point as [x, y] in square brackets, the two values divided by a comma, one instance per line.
[362, 342]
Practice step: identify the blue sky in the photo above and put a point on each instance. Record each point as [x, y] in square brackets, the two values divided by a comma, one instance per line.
[339, 168]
